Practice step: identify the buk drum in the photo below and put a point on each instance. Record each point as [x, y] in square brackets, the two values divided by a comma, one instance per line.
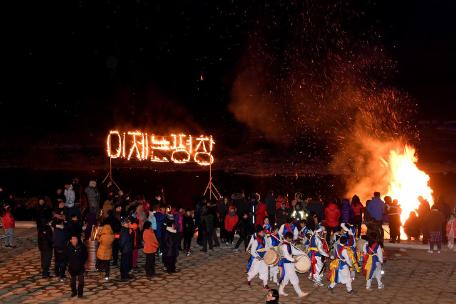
[271, 257]
[302, 264]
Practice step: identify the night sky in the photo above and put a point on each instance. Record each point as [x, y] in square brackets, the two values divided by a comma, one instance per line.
[74, 69]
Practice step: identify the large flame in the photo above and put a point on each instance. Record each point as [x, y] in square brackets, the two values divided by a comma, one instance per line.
[407, 182]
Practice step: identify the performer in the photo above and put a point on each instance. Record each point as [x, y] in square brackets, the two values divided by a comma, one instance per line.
[257, 264]
[304, 234]
[372, 262]
[289, 226]
[273, 241]
[287, 268]
[267, 226]
[339, 269]
[318, 250]
[350, 234]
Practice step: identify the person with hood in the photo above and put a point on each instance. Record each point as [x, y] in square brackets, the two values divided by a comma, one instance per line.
[45, 247]
[76, 257]
[171, 249]
[104, 252]
[357, 210]
[150, 248]
[346, 213]
[231, 221]
[245, 229]
[332, 216]
[93, 197]
[8, 225]
[126, 248]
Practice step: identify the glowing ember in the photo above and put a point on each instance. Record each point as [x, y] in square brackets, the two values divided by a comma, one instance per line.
[407, 182]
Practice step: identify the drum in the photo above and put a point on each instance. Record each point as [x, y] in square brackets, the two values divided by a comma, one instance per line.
[271, 257]
[302, 264]
[92, 247]
[360, 245]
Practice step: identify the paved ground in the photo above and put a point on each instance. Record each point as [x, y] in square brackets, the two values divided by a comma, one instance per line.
[410, 277]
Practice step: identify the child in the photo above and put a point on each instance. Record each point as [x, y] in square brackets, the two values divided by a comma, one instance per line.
[150, 248]
[136, 241]
[267, 226]
[171, 249]
[76, 256]
[257, 264]
[45, 246]
[373, 261]
[289, 226]
[189, 229]
[287, 267]
[231, 221]
[125, 246]
[8, 225]
[339, 269]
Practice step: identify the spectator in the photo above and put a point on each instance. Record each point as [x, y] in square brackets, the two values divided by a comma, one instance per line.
[43, 213]
[222, 211]
[171, 250]
[59, 241]
[76, 256]
[150, 248]
[424, 211]
[125, 246]
[135, 235]
[114, 222]
[45, 247]
[8, 225]
[77, 192]
[70, 198]
[282, 215]
[261, 213]
[332, 216]
[245, 229]
[316, 211]
[270, 206]
[346, 212]
[451, 231]
[231, 221]
[93, 197]
[207, 229]
[411, 227]
[189, 229]
[357, 209]
[394, 216]
[375, 209]
[104, 252]
[435, 222]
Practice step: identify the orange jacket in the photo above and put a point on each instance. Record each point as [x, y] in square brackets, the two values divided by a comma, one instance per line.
[150, 241]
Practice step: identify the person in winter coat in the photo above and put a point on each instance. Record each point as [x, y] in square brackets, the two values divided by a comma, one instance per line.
[60, 240]
[394, 217]
[245, 228]
[150, 248]
[189, 229]
[93, 197]
[412, 226]
[207, 229]
[125, 246]
[435, 223]
[424, 211]
[282, 214]
[357, 210]
[104, 252]
[171, 249]
[270, 206]
[8, 225]
[346, 213]
[114, 222]
[70, 196]
[231, 221]
[135, 234]
[45, 247]
[260, 213]
[332, 216]
[76, 257]
[43, 213]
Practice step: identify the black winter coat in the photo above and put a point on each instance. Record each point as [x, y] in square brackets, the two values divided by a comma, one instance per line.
[125, 243]
[171, 244]
[45, 238]
[76, 258]
[189, 225]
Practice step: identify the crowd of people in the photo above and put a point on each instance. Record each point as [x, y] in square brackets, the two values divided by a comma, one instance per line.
[78, 221]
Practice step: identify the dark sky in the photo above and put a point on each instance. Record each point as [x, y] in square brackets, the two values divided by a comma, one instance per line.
[73, 69]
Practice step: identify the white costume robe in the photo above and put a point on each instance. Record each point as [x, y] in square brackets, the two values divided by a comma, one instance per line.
[258, 265]
[378, 267]
[289, 268]
[344, 276]
[295, 232]
[316, 250]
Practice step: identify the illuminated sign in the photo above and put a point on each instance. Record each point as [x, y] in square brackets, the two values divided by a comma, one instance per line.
[176, 148]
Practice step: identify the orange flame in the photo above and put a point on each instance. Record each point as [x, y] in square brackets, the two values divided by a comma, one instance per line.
[407, 182]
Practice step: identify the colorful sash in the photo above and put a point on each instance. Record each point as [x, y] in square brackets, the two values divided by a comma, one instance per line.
[261, 245]
[282, 262]
[336, 265]
[288, 228]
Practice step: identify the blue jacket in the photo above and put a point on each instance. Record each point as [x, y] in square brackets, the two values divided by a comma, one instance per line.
[125, 244]
[376, 208]
[160, 219]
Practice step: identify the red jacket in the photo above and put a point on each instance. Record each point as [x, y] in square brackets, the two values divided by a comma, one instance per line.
[260, 213]
[332, 215]
[231, 222]
[8, 220]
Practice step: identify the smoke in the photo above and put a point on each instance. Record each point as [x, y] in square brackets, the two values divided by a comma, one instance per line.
[325, 83]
